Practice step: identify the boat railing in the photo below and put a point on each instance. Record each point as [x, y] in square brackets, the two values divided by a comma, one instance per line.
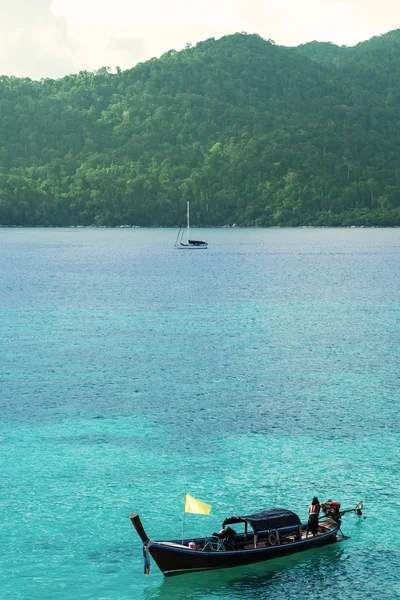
[280, 529]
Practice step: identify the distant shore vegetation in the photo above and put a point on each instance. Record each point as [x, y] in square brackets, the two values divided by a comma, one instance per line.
[251, 133]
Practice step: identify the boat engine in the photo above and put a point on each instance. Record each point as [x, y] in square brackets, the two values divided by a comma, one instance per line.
[331, 509]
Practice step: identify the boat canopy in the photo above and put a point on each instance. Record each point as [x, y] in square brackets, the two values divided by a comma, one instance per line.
[266, 520]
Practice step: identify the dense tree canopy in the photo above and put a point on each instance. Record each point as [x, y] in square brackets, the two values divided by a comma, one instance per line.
[250, 132]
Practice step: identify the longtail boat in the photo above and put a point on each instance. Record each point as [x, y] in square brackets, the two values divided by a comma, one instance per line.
[274, 533]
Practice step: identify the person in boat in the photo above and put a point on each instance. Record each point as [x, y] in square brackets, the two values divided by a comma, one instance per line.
[313, 514]
[227, 535]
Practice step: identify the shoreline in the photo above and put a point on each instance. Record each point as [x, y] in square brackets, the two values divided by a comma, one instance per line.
[202, 227]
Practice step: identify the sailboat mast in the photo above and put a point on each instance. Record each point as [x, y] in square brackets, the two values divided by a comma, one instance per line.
[188, 221]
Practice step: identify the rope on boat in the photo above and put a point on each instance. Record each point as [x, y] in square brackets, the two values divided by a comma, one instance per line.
[146, 556]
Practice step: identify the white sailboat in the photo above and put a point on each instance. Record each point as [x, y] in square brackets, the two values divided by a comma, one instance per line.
[190, 244]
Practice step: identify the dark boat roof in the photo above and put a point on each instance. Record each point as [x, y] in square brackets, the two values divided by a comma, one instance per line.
[268, 519]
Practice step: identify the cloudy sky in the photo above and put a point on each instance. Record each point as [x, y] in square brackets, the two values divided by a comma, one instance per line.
[51, 38]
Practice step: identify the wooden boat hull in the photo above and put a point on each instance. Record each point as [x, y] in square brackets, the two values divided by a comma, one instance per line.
[178, 560]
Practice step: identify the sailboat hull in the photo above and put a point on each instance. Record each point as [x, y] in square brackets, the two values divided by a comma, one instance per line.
[191, 247]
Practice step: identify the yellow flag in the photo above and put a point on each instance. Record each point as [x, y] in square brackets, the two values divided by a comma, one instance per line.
[195, 506]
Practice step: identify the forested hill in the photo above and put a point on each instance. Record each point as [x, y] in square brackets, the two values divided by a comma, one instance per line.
[250, 132]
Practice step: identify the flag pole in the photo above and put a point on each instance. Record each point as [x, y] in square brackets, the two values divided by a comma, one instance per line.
[183, 520]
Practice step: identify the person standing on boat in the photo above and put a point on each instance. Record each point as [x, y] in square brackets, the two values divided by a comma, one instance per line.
[313, 513]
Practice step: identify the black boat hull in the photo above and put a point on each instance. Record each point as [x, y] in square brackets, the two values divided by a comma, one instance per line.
[178, 560]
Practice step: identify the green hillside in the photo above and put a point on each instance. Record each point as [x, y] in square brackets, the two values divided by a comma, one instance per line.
[250, 132]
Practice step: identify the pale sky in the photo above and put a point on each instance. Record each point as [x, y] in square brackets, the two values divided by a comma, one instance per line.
[51, 38]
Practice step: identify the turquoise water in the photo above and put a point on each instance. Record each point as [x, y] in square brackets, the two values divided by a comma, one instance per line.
[264, 370]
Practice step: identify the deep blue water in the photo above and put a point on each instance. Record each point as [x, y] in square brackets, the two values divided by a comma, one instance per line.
[263, 370]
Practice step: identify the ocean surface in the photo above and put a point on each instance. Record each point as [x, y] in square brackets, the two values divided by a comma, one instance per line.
[260, 372]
